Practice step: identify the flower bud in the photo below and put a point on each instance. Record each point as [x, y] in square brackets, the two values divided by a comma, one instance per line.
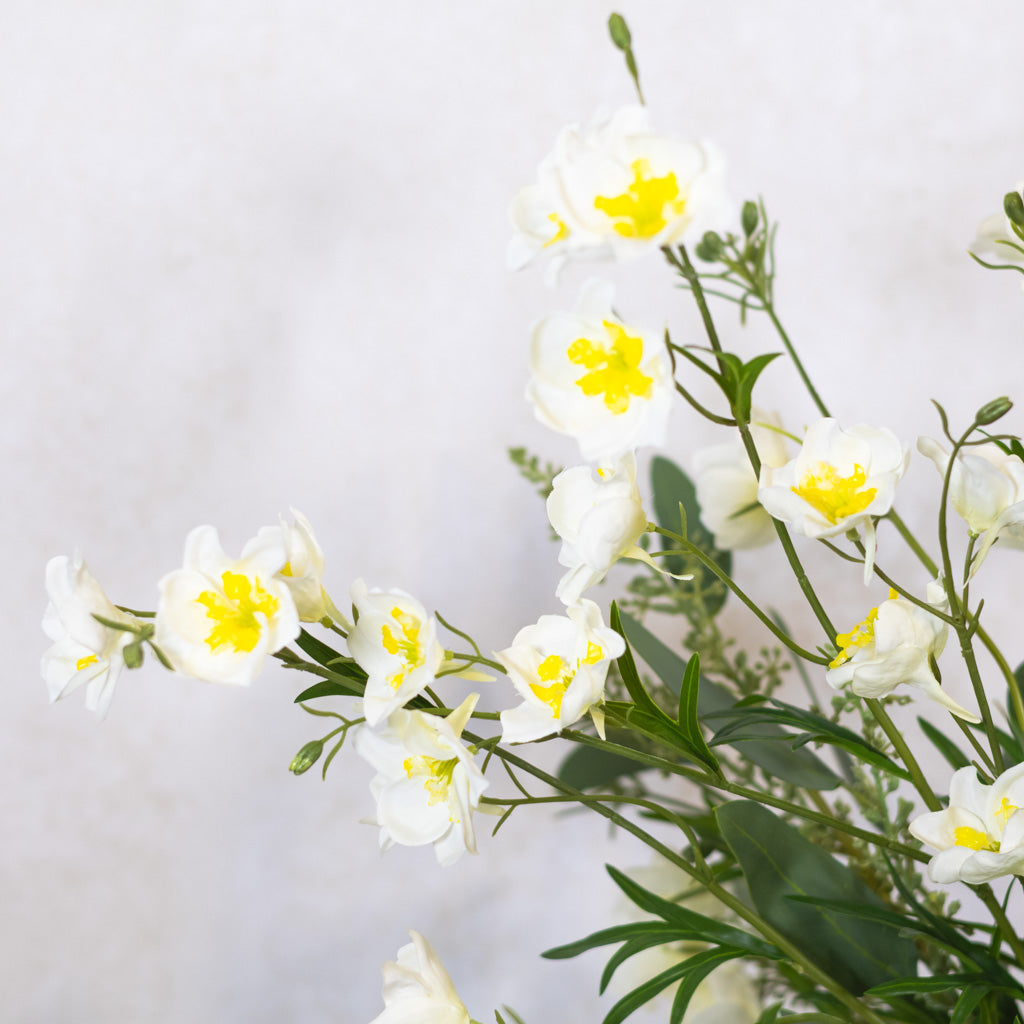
[748, 217]
[992, 411]
[133, 655]
[306, 757]
[619, 31]
[709, 248]
[1013, 205]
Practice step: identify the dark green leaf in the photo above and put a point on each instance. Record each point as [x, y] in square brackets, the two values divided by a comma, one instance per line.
[328, 657]
[943, 744]
[606, 936]
[939, 983]
[327, 688]
[751, 371]
[644, 993]
[627, 668]
[656, 725]
[671, 487]
[688, 696]
[799, 767]
[700, 966]
[638, 944]
[967, 1003]
[779, 862]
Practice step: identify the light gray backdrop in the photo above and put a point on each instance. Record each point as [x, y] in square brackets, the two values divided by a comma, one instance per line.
[251, 256]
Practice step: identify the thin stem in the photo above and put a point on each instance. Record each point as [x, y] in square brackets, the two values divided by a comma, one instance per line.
[811, 390]
[988, 897]
[896, 739]
[1004, 666]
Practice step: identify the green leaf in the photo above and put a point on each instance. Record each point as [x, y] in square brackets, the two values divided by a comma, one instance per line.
[751, 371]
[328, 657]
[700, 966]
[628, 949]
[943, 744]
[687, 718]
[800, 767]
[938, 983]
[592, 767]
[605, 937]
[327, 688]
[779, 862]
[627, 667]
[644, 993]
[671, 487]
[967, 1003]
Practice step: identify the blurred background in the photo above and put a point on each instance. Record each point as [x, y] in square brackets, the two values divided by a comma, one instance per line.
[252, 257]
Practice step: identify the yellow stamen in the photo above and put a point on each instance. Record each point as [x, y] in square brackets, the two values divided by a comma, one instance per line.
[973, 839]
[561, 229]
[835, 497]
[286, 569]
[234, 612]
[89, 659]
[553, 670]
[647, 204]
[1004, 812]
[406, 646]
[614, 370]
[860, 636]
[594, 654]
[437, 775]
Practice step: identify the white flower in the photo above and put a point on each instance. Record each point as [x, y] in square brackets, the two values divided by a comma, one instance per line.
[427, 785]
[839, 480]
[218, 617]
[727, 486]
[559, 666]
[598, 380]
[980, 835]
[615, 190]
[986, 487]
[895, 644]
[303, 570]
[726, 996]
[599, 517]
[84, 652]
[418, 990]
[395, 642]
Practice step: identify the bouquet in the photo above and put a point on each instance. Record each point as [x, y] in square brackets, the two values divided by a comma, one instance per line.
[807, 864]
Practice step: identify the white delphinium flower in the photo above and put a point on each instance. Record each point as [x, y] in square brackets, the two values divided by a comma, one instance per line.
[839, 481]
[996, 241]
[304, 569]
[727, 995]
[599, 517]
[615, 190]
[427, 785]
[559, 666]
[395, 642]
[980, 835]
[418, 990]
[896, 644]
[605, 383]
[218, 617]
[727, 485]
[85, 652]
[986, 487]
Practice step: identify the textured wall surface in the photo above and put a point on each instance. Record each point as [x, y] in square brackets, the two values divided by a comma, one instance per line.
[252, 256]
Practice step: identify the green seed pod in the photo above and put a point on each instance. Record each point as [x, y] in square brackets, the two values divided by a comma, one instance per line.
[992, 411]
[306, 757]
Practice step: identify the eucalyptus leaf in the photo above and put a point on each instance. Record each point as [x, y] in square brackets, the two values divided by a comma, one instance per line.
[779, 862]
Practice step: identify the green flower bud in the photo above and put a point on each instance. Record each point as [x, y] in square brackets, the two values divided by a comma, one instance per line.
[306, 757]
[992, 411]
[1013, 204]
[709, 248]
[133, 654]
[748, 218]
[619, 31]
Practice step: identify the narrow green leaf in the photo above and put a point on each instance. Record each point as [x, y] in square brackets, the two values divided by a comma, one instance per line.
[967, 1003]
[328, 657]
[644, 994]
[687, 718]
[937, 983]
[700, 966]
[605, 937]
[327, 688]
[943, 744]
[750, 372]
[779, 862]
[627, 667]
[629, 949]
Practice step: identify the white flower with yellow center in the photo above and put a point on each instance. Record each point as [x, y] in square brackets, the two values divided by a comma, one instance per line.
[219, 617]
[980, 835]
[559, 666]
[85, 652]
[395, 642]
[304, 569]
[418, 990]
[607, 384]
[599, 517]
[894, 645]
[840, 480]
[986, 487]
[427, 785]
[615, 190]
[727, 485]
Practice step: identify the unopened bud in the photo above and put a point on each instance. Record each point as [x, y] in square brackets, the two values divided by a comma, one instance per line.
[306, 757]
[619, 31]
[709, 248]
[748, 217]
[992, 411]
[133, 654]
[1013, 205]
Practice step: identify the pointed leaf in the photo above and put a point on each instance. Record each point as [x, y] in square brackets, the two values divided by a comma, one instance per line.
[778, 862]
[967, 1003]
[688, 697]
[751, 371]
[937, 983]
[328, 688]
[700, 966]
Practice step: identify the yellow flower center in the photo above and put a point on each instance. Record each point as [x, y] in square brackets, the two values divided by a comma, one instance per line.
[614, 370]
[436, 775]
[556, 672]
[973, 839]
[1004, 812]
[234, 612]
[861, 636]
[835, 497]
[561, 229]
[89, 659]
[647, 204]
[405, 645]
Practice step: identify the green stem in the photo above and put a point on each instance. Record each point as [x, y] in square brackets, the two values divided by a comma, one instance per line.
[988, 897]
[689, 548]
[811, 390]
[896, 739]
[1004, 666]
